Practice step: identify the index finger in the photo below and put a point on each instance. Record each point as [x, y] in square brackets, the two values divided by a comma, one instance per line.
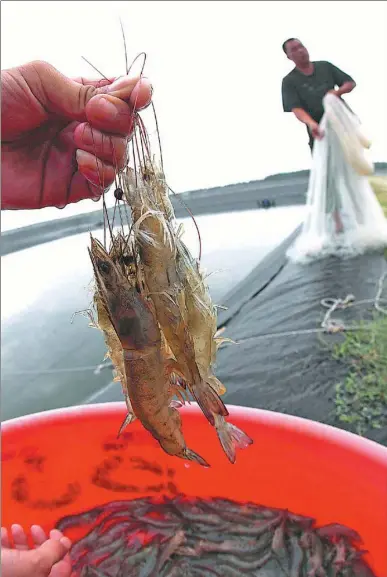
[135, 90]
[50, 553]
[110, 115]
[96, 83]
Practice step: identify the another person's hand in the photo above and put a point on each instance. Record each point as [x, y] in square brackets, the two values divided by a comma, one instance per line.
[63, 139]
[50, 557]
[316, 131]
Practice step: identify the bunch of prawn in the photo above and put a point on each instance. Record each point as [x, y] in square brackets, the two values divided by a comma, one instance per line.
[156, 313]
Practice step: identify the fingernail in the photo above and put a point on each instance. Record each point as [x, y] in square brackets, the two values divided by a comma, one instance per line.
[129, 88]
[16, 527]
[86, 164]
[56, 534]
[106, 109]
[121, 83]
[66, 542]
[85, 159]
[143, 83]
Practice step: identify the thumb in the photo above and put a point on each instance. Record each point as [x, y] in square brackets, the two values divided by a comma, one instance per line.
[61, 95]
[52, 551]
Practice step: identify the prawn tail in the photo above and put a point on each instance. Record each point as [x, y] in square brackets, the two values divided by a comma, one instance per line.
[174, 404]
[215, 383]
[231, 438]
[192, 456]
[209, 401]
[130, 417]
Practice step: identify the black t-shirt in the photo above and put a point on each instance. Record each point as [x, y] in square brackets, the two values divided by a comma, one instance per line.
[307, 91]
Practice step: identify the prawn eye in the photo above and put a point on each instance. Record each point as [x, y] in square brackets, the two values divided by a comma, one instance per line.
[127, 259]
[104, 266]
[118, 193]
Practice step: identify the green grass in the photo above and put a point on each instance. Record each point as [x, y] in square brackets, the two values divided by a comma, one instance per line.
[379, 186]
[361, 400]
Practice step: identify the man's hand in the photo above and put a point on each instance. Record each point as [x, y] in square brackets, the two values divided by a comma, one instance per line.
[305, 118]
[346, 88]
[63, 140]
[49, 558]
[316, 131]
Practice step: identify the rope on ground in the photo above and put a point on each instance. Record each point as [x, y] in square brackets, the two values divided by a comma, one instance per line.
[379, 298]
[330, 325]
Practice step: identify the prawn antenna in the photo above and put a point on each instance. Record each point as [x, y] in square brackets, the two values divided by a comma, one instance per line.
[170, 189]
[193, 218]
[126, 51]
[143, 64]
[96, 69]
[158, 136]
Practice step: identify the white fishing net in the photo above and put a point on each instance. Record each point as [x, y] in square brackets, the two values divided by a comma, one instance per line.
[344, 217]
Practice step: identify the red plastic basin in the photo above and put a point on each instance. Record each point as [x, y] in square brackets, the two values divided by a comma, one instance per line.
[61, 462]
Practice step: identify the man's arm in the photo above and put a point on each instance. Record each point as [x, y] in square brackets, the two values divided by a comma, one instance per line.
[344, 81]
[346, 88]
[305, 118]
[290, 97]
[292, 103]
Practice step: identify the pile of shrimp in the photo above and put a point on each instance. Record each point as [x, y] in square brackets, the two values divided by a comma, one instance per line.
[194, 537]
[155, 310]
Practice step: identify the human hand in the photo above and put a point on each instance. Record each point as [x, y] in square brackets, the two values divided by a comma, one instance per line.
[62, 139]
[50, 557]
[334, 92]
[316, 131]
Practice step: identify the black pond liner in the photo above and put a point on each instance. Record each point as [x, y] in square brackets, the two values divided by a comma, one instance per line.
[293, 374]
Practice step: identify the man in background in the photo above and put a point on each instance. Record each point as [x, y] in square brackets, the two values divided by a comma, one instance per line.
[304, 88]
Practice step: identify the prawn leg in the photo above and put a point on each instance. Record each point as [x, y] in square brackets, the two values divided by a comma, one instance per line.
[130, 418]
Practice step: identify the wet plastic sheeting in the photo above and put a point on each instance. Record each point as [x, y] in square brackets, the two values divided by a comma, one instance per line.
[293, 374]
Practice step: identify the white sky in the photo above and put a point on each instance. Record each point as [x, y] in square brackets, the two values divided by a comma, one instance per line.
[216, 68]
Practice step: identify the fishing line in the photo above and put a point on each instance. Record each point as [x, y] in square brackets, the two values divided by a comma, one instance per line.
[95, 369]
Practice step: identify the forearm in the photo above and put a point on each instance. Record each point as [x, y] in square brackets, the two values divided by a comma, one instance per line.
[304, 117]
[346, 88]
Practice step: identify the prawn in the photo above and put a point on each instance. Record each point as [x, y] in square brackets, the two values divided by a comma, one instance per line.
[133, 319]
[152, 300]
[187, 321]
